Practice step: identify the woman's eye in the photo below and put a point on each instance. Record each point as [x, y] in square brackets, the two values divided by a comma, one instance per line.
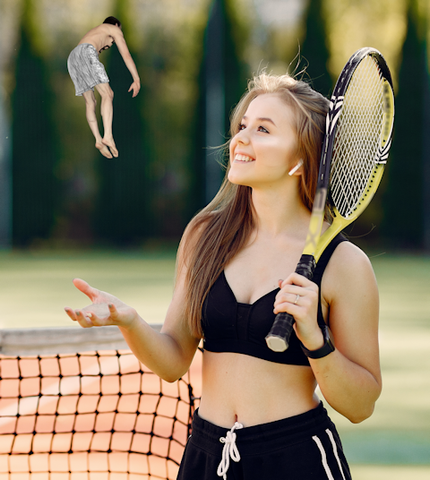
[259, 129]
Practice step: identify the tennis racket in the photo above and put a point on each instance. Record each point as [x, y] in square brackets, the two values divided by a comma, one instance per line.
[356, 144]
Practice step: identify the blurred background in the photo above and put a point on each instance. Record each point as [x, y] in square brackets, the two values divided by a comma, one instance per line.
[66, 211]
[194, 58]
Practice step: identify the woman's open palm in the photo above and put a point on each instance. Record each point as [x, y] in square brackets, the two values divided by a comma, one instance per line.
[105, 309]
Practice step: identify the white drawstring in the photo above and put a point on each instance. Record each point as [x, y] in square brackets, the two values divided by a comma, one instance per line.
[229, 451]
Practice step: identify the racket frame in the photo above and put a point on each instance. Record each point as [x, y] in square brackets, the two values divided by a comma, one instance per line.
[316, 243]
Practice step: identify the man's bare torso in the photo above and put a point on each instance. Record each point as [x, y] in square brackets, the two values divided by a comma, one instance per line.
[100, 37]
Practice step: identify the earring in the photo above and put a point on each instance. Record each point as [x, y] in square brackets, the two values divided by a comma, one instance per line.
[294, 169]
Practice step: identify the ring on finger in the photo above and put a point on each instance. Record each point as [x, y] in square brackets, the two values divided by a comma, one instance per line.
[297, 299]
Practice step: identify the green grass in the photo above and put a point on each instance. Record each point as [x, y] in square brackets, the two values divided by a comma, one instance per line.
[35, 286]
[383, 472]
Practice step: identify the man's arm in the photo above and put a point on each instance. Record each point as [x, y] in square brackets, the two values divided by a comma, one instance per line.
[118, 36]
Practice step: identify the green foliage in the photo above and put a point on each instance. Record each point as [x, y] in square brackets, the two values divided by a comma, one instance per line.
[224, 74]
[33, 147]
[121, 214]
[167, 61]
[314, 48]
[236, 37]
[402, 223]
[65, 191]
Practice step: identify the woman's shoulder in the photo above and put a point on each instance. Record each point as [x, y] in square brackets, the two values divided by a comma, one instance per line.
[349, 269]
[347, 255]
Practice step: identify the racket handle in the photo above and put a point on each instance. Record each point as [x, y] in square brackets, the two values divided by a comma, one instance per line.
[306, 266]
[278, 338]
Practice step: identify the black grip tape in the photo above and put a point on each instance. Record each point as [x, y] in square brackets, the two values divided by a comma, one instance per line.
[280, 332]
[282, 327]
[306, 266]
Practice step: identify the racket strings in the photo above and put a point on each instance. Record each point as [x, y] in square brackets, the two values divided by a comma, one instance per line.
[358, 137]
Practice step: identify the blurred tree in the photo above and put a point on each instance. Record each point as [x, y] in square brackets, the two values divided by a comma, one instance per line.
[314, 48]
[121, 214]
[426, 138]
[223, 78]
[5, 177]
[402, 224]
[33, 142]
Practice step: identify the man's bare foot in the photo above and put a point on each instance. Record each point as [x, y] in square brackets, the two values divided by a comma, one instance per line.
[112, 147]
[104, 150]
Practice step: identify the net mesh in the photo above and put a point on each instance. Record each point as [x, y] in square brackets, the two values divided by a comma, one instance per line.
[91, 415]
[358, 137]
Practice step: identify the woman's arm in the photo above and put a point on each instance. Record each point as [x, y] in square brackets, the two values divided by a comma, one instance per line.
[168, 353]
[349, 377]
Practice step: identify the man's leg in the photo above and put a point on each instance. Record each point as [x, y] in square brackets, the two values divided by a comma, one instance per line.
[90, 106]
[106, 110]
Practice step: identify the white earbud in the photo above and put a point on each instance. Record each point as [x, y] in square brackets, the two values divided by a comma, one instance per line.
[294, 169]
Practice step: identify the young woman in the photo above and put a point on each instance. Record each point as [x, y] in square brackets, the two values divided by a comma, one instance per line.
[259, 416]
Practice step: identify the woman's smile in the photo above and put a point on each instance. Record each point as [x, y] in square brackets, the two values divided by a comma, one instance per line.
[243, 158]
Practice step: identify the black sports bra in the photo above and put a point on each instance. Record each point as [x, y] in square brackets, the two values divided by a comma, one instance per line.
[230, 326]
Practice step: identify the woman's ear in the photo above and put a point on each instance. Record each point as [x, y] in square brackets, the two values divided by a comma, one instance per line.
[295, 168]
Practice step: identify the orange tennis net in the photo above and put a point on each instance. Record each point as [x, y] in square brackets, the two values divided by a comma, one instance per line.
[97, 415]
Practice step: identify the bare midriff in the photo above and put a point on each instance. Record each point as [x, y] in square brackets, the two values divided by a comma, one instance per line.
[252, 391]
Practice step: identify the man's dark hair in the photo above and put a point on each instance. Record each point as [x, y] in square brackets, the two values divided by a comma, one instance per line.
[112, 21]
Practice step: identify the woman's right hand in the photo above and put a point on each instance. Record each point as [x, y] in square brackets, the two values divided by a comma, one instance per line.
[104, 310]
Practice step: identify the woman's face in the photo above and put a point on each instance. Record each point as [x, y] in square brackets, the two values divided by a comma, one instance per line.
[265, 148]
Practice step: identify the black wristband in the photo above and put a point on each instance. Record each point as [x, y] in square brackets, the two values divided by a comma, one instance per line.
[327, 348]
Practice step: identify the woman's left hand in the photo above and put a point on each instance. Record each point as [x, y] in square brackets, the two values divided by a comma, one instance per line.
[299, 297]
[104, 310]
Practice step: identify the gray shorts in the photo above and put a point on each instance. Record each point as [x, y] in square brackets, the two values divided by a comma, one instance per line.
[85, 68]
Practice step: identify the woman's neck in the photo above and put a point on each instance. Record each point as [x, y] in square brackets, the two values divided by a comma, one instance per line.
[280, 212]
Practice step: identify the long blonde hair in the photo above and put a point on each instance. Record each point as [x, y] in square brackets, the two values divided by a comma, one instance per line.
[224, 226]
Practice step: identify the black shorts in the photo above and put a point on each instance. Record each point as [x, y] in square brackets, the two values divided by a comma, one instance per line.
[303, 447]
